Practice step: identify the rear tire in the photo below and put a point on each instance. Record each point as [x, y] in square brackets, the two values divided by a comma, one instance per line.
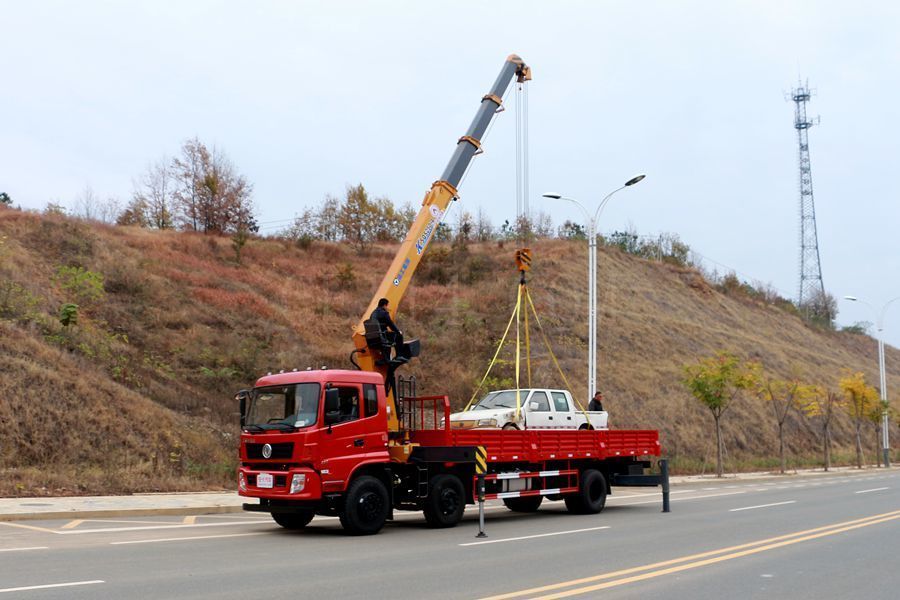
[585, 426]
[295, 520]
[510, 426]
[365, 506]
[528, 504]
[591, 496]
[446, 501]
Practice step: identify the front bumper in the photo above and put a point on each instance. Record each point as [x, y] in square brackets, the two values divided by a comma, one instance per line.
[249, 480]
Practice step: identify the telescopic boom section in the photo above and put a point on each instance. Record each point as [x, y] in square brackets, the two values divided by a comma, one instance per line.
[436, 201]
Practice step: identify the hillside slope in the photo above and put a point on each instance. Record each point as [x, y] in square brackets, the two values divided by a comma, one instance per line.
[137, 395]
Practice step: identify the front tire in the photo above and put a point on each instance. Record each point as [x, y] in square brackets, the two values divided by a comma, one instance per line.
[591, 496]
[446, 501]
[295, 520]
[365, 506]
[527, 504]
[510, 426]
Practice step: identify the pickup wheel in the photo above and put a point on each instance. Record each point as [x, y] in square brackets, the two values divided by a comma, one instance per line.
[591, 495]
[509, 426]
[365, 506]
[446, 501]
[585, 426]
[528, 504]
[295, 520]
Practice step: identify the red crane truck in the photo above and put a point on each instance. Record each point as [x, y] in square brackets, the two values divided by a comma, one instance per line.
[350, 443]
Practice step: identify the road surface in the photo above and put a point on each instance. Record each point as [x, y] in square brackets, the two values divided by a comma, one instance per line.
[828, 536]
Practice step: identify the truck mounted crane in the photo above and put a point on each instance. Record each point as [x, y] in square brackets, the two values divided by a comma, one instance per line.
[344, 443]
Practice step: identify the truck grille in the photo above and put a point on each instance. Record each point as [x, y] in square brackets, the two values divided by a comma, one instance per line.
[285, 450]
[280, 480]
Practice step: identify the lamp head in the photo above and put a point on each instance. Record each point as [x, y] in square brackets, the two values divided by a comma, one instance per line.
[634, 180]
[851, 298]
[552, 196]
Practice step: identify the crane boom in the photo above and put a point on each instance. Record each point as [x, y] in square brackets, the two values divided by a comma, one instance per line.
[442, 192]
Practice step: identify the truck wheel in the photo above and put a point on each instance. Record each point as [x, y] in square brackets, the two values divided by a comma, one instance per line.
[446, 501]
[365, 506]
[296, 520]
[591, 495]
[528, 504]
[509, 426]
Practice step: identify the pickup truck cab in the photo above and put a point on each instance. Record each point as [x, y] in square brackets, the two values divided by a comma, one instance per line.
[539, 409]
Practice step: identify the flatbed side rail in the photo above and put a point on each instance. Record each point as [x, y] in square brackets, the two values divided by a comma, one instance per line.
[426, 413]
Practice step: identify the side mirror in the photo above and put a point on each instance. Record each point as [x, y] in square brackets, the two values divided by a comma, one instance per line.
[242, 397]
[332, 406]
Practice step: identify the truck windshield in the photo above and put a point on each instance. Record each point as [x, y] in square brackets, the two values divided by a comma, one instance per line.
[285, 407]
[504, 399]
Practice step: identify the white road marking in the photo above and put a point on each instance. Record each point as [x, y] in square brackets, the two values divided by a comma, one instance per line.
[149, 527]
[50, 585]
[182, 539]
[23, 549]
[762, 506]
[872, 490]
[539, 535]
[659, 499]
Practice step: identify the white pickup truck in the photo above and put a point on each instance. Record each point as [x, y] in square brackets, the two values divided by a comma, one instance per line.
[539, 409]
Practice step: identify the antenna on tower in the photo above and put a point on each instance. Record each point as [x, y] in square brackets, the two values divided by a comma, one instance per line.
[811, 287]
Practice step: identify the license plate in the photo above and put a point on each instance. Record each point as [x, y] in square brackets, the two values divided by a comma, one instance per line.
[265, 480]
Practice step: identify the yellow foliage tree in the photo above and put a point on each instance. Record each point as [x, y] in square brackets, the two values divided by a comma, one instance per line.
[783, 395]
[716, 381]
[860, 399]
[819, 402]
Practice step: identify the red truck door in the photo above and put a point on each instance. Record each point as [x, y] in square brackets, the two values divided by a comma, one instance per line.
[349, 438]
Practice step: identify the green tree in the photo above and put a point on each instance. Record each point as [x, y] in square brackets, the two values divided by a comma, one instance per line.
[5, 199]
[68, 314]
[819, 402]
[716, 381]
[860, 399]
[85, 285]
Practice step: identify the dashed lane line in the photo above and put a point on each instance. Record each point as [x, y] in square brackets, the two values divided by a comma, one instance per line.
[531, 537]
[49, 585]
[184, 539]
[872, 490]
[24, 549]
[762, 506]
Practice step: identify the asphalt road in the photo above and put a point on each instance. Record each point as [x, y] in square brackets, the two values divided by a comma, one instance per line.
[831, 536]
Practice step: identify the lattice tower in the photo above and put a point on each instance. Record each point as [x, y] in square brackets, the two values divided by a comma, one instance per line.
[811, 285]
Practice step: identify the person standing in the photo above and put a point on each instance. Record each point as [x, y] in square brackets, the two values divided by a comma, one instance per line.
[596, 402]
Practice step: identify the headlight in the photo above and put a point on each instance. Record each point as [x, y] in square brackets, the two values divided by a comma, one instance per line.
[242, 483]
[487, 423]
[298, 482]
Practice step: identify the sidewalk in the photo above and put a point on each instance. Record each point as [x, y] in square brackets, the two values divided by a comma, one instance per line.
[81, 507]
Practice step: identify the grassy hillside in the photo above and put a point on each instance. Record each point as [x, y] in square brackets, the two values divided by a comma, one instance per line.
[137, 394]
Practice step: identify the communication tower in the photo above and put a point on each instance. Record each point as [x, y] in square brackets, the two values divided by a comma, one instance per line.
[811, 285]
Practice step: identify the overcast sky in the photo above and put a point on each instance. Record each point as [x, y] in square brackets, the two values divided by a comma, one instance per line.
[308, 97]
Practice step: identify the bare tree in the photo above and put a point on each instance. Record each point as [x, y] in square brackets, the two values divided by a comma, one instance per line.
[87, 204]
[155, 192]
[210, 194]
[484, 230]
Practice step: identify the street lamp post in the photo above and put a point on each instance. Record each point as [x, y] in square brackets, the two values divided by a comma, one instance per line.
[592, 275]
[885, 422]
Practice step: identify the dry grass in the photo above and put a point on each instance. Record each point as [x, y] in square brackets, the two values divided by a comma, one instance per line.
[137, 396]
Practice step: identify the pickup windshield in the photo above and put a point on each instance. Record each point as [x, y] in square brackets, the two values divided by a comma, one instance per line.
[286, 407]
[504, 399]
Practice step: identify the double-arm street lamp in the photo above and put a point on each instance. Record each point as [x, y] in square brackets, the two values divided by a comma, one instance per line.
[885, 423]
[592, 275]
